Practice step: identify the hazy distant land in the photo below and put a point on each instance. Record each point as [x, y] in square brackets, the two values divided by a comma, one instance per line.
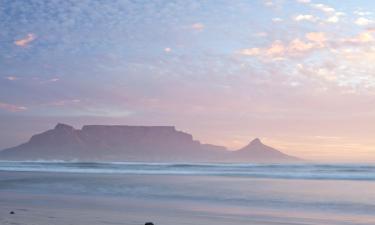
[134, 143]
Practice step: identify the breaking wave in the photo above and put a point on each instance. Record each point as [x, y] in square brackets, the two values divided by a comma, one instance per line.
[281, 171]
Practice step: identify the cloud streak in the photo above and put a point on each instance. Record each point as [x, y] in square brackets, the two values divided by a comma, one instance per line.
[314, 40]
[24, 42]
[11, 107]
[198, 26]
[362, 21]
[11, 78]
[305, 17]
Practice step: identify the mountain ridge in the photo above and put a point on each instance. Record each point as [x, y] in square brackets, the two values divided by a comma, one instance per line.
[133, 143]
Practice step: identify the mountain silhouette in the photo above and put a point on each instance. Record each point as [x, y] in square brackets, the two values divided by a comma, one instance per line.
[133, 143]
[257, 151]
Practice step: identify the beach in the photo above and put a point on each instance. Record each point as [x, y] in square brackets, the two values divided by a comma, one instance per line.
[44, 198]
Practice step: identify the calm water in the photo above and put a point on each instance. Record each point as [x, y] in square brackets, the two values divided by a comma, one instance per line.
[341, 190]
[282, 171]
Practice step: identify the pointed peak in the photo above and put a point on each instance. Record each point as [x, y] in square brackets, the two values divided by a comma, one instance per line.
[61, 126]
[256, 141]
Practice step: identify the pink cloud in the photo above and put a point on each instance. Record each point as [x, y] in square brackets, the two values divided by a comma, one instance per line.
[277, 48]
[11, 78]
[167, 50]
[319, 38]
[314, 40]
[362, 38]
[198, 26]
[24, 42]
[299, 46]
[250, 51]
[11, 107]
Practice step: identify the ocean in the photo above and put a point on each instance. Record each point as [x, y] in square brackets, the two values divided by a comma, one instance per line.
[333, 193]
[275, 171]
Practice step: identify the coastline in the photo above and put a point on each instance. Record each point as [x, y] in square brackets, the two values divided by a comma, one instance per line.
[63, 198]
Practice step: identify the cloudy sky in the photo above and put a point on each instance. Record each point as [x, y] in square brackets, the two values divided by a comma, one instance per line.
[299, 74]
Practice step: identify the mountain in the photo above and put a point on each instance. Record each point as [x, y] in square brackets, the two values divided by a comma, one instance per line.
[133, 143]
[111, 143]
[259, 152]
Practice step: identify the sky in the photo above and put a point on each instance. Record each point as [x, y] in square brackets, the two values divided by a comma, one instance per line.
[299, 74]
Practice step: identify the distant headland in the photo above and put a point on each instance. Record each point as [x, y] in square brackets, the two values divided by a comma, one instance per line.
[134, 143]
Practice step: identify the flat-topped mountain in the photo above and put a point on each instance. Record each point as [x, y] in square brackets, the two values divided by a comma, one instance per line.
[133, 143]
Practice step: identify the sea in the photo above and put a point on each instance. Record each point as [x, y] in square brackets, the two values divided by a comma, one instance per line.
[365, 172]
[334, 193]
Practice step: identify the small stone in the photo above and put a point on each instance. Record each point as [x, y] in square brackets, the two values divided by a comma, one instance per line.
[11, 212]
[149, 223]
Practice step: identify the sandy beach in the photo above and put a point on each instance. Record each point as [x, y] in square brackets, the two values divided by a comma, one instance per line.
[40, 198]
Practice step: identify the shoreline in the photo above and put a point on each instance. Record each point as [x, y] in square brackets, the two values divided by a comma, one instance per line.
[50, 198]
